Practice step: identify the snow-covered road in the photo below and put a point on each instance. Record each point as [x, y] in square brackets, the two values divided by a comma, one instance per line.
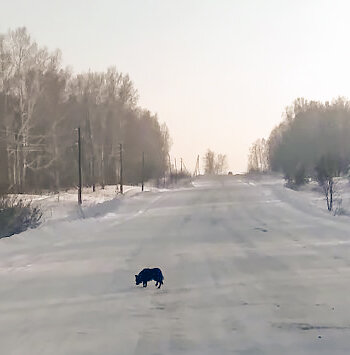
[250, 268]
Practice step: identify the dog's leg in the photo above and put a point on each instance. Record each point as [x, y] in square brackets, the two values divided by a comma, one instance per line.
[156, 283]
[145, 284]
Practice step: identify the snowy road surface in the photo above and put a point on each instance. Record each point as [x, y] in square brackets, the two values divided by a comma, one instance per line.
[250, 268]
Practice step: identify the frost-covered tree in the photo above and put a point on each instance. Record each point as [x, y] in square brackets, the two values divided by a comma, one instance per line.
[214, 163]
[258, 156]
[311, 130]
[42, 104]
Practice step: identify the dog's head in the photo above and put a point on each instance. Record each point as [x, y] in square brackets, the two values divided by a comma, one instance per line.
[137, 279]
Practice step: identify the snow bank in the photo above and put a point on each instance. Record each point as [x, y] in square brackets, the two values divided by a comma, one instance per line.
[63, 205]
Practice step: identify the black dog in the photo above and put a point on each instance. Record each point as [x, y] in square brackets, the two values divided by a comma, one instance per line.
[148, 275]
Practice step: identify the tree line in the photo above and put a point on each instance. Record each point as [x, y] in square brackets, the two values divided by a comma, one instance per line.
[312, 141]
[42, 104]
[214, 164]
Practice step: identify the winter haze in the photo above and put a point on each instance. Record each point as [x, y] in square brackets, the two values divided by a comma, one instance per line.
[174, 177]
[219, 73]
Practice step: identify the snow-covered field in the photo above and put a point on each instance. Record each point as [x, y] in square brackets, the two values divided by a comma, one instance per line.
[250, 268]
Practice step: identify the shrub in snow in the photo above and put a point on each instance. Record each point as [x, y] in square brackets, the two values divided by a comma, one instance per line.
[16, 216]
[326, 169]
[339, 209]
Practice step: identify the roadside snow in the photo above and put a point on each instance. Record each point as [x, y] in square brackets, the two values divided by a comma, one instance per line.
[63, 205]
[308, 197]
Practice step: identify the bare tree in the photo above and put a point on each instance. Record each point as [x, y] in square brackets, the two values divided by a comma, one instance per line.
[41, 105]
[214, 163]
[258, 156]
[220, 164]
[28, 64]
[209, 162]
[326, 170]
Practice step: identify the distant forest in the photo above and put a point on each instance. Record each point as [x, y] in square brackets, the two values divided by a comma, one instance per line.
[313, 140]
[41, 106]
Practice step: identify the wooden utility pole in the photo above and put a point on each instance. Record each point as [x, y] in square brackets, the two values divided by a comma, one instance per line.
[181, 166]
[170, 175]
[121, 166]
[93, 173]
[143, 169]
[169, 164]
[79, 166]
[175, 172]
[91, 151]
[196, 170]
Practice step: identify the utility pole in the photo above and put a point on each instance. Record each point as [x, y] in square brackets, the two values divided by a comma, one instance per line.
[170, 176]
[143, 169]
[91, 150]
[175, 172]
[121, 166]
[184, 168]
[93, 173]
[79, 166]
[181, 166]
[196, 170]
[169, 164]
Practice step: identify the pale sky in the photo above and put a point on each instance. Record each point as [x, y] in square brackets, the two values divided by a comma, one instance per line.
[218, 72]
